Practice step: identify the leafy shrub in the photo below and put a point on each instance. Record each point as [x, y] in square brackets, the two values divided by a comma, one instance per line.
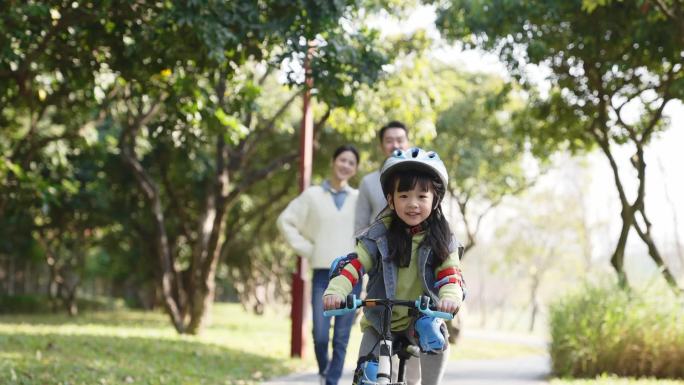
[604, 329]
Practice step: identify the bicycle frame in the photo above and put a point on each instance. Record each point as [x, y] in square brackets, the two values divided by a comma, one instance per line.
[422, 304]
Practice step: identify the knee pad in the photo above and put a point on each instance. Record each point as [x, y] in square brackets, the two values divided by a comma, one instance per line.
[366, 371]
[431, 334]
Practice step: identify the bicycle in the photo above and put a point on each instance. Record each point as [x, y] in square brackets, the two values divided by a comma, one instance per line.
[403, 348]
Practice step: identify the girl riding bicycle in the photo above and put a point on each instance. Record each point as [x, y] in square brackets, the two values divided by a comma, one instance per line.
[407, 252]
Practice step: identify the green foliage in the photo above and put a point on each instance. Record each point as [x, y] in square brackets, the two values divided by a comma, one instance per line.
[477, 140]
[413, 92]
[467, 118]
[609, 75]
[599, 61]
[75, 79]
[603, 329]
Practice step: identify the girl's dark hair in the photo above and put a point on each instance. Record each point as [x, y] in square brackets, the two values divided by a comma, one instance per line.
[437, 231]
[346, 147]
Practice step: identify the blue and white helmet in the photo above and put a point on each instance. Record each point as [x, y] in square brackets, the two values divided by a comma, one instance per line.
[413, 159]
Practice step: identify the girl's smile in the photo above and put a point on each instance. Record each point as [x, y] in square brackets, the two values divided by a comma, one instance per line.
[413, 206]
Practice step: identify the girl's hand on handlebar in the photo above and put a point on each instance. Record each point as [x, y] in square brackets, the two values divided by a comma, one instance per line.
[447, 306]
[332, 302]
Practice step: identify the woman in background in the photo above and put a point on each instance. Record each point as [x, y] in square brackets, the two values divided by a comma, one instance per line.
[319, 226]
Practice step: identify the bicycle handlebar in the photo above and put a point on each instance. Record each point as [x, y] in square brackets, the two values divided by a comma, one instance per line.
[422, 304]
[346, 307]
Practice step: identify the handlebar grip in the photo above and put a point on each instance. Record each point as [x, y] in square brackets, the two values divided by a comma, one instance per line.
[438, 314]
[330, 313]
[348, 306]
[423, 305]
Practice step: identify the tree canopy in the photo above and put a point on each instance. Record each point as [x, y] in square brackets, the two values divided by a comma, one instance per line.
[172, 90]
[619, 58]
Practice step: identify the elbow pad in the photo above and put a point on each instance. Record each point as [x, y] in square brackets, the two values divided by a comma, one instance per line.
[338, 267]
[451, 275]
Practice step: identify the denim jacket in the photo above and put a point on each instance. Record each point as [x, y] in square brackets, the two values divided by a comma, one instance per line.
[382, 278]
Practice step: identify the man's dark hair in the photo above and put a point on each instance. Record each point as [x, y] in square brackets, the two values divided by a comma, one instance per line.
[392, 124]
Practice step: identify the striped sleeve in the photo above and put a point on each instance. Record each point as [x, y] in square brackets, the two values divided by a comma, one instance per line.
[449, 280]
[343, 283]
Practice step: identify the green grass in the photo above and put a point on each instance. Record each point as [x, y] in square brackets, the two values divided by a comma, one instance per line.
[612, 380]
[134, 347]
[128, 347]
[477, 349]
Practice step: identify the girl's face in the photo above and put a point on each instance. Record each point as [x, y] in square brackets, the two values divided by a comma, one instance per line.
[344, 166]
[413, 206]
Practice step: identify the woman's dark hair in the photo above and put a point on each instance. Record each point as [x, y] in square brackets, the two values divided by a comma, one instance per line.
[346, 147]
[437, 231]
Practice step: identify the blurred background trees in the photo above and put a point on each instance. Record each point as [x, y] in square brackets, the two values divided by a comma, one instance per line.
[603, 65]
[148, 147]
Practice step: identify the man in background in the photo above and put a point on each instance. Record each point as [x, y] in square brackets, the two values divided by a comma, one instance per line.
[392, 136]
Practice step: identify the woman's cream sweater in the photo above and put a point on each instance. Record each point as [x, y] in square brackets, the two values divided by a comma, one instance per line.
[316, 229]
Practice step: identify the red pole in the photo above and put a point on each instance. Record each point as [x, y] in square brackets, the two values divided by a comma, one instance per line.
[299, 282]
[306, 134]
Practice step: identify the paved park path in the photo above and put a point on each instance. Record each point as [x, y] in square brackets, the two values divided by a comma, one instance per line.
[527, 370]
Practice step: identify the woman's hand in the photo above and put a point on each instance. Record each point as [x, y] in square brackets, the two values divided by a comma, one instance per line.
[332, 302]
[447, 306]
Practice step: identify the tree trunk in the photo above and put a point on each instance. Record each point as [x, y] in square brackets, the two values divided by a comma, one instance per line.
[639, 163]
[208, 252]
[617, 260]
[638, 136]
[534, 303]
[655, 254]
[167, 272]
[200, 313]
[69, 298]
